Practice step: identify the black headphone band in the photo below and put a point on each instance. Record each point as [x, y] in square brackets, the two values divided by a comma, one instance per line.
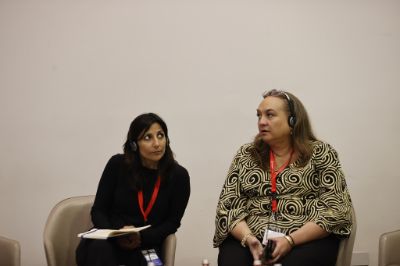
[292, 115]
[290, 103]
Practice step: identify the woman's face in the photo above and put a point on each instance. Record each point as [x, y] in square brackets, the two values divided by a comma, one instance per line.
[273, 124]
[152, 145]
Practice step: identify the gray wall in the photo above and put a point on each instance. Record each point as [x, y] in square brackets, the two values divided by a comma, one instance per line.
[73, 74]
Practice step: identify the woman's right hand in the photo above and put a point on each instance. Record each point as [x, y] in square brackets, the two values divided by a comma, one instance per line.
[130, 241]
[255, 247]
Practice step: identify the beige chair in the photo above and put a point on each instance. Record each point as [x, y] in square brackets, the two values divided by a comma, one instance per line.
[346, 245]
[72, 216]
[168, 250]
[10, 252]
[389, 249]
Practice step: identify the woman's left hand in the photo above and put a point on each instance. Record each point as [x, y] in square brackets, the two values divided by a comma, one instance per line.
[282, 247]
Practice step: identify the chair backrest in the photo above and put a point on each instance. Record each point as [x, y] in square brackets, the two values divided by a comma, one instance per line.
[72, 216]
[346, 245]
[10, 252]
[389, 254]
[68, 218]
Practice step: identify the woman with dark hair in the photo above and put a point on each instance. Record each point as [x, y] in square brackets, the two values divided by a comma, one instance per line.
[285, 198]
[143, 186]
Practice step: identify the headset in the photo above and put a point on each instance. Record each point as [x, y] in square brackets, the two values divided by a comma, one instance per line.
[292, 115]
[133, 145]
[153, 119]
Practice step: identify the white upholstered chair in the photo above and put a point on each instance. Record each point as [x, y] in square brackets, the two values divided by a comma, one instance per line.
[346, 245]
[10, 252]
[389, 249]
[72, 216]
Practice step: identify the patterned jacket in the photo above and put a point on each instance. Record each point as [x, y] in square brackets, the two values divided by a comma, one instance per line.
[316, 192]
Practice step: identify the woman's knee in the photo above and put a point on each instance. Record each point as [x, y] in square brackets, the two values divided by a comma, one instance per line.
[93, 252]
[100, 246]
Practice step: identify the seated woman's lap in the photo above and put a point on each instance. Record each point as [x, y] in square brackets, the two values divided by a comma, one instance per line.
[106, 252]
[322, 252]
[231, 253]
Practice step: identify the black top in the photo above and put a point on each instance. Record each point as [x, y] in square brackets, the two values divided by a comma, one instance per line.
[116, 202]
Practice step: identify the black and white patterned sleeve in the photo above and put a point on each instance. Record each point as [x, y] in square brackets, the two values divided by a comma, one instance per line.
[231, 207]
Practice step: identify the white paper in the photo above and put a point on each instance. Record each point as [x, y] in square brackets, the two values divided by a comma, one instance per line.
[107, 233]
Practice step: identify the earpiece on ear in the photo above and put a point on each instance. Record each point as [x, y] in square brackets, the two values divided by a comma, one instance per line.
[133, 146]
[292, 115]
[292, 121]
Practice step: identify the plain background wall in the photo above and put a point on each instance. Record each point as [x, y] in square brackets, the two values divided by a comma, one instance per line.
[73, 74]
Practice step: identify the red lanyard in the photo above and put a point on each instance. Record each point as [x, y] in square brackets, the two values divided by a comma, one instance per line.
[152, 200]
[273, 176]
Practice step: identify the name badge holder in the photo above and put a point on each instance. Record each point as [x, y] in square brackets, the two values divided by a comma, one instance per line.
[151, 256]
[272, 230]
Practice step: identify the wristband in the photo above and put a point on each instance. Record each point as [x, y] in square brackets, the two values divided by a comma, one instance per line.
[290, 240]
[243, 242]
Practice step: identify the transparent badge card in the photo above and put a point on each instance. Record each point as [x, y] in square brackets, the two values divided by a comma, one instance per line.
[151, 256]
[272, 230]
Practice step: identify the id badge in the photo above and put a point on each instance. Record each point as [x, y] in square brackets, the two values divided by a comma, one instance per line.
[272, 230]
[151, 256]
[269, 234]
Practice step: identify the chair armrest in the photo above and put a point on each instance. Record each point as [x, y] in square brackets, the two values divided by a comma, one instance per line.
[168, 250]
[10, 252]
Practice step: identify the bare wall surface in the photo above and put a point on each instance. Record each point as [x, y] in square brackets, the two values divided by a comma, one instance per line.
[73, 74]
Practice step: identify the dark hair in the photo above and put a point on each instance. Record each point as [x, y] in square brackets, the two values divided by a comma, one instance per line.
[302, 134]
[132, 156]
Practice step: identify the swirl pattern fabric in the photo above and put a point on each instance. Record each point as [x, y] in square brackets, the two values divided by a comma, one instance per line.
[316, 192]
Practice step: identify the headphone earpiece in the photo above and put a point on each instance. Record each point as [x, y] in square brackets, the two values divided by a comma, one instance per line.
[133, 146]
[292, 116]
[291, 121]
